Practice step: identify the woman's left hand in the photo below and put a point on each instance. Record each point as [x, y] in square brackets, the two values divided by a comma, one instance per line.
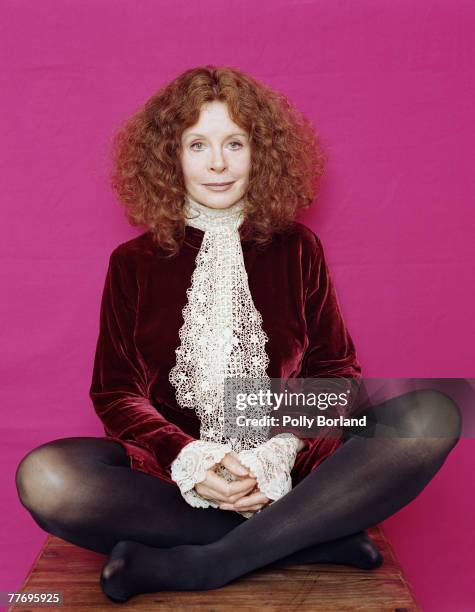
[253, 502]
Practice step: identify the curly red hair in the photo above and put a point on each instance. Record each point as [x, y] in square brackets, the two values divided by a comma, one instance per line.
[287, 160]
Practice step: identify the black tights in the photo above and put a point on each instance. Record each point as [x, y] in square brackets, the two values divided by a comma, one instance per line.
[83, 490]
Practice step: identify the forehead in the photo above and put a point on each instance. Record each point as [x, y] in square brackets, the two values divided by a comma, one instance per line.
[215, 120]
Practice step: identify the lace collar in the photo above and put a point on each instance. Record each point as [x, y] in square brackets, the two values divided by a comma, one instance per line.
[214, 219]
[222, 335]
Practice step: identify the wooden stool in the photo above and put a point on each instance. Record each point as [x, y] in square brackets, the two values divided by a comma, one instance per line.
[73, 571]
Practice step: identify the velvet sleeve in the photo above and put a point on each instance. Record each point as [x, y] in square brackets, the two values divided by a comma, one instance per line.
[331, 353]
[120, 386]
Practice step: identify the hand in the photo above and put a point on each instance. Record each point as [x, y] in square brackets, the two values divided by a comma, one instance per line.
[256, 499]
[216, 488]
[253, 502]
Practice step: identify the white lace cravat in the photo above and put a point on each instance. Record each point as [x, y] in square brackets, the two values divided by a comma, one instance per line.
[222, 337]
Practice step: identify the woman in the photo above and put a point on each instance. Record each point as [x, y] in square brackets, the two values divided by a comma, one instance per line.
[224, 283]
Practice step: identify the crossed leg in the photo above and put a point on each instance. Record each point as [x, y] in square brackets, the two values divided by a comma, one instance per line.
[83, 490]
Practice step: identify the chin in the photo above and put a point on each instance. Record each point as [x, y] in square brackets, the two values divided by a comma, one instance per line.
[218, 200]
[226, 204]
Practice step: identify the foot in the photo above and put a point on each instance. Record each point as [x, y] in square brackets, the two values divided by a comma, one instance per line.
[357, 550]
[134, 568]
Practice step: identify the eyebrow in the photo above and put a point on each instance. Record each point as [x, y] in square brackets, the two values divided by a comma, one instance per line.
[193, 134]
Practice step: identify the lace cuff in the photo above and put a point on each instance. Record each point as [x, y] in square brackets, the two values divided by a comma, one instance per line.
[272, 463]
[190, 465]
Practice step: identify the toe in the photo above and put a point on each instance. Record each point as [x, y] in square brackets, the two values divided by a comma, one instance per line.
[373, 556]
[112, 567]
[113, 594]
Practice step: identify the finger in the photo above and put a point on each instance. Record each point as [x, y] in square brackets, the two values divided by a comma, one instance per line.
[232, 463]
[225, 506]
[242, 493]
[241, 487]
[233, 498]
[250, 500]
[219, 488]
[209, 494]
[236, 498]
[254, 508]
[218, 483]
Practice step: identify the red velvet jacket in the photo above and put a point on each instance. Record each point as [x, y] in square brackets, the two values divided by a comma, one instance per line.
[141, 314]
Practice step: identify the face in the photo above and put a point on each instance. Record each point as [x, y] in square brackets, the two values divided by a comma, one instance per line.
[215, 150]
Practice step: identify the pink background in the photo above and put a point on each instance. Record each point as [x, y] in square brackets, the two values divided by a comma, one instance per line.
[390, 88]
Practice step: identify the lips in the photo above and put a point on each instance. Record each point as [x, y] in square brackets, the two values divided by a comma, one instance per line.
[218, 184]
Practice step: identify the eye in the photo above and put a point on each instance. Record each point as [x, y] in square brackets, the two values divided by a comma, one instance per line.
[234, 148]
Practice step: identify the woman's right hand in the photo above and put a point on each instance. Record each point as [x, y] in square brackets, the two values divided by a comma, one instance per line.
[216, 488]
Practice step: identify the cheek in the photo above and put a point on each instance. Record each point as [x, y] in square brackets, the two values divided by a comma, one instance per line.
[191, 168]
[243, 164]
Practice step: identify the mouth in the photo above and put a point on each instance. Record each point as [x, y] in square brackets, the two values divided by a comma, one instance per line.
[218, 184]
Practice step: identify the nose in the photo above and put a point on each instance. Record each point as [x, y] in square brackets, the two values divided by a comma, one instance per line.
[217, 161]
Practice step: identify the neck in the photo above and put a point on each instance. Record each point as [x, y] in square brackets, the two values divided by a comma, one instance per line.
[207, 218]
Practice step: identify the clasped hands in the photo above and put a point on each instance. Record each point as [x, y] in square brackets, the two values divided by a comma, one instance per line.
[241, 495]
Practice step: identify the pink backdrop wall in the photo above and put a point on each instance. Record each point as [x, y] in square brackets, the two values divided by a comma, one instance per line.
[390, 88]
